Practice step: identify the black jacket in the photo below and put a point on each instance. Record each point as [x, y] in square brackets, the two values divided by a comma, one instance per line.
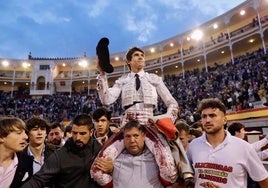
[24, 169]
[68, 167]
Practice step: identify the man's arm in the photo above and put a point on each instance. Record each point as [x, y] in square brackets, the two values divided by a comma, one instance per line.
[259, 144]
[107, 95]
[263, 154]
[105, 165]
[168, 99]
[259, 174]
[46, 174]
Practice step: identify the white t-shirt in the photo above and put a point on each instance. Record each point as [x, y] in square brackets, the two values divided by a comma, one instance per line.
[226, 165]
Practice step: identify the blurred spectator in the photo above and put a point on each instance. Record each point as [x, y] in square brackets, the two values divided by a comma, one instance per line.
[89, 105]
[67, 132]
[55, 135]
[238, 129]
[194, 133]
[184, 130]
[263, 96]
[239, 85]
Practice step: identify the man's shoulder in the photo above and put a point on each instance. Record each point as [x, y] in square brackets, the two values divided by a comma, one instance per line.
[238, 142]
[196, 143]
[52, 147]
[95, 146]
[58, 150]
[23, 157]
[124, 76]
[152, 76]
[197, 140]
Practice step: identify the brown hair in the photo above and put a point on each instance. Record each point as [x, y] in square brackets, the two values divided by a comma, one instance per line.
[133, 124]
[211, 103]
[182, 125]
[83, 120]
[235, 127]
[55, 125]
[130, 52]
[36, 121]
[9, 124]
[98, 113]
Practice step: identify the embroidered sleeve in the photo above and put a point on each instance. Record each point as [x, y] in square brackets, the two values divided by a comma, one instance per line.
[168, 99]
[108, 95]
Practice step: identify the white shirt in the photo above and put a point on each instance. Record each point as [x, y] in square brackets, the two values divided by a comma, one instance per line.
[152, 86]
[258, 146]
[226, 165]
[136, 171]
[36, 164]
[6, 176]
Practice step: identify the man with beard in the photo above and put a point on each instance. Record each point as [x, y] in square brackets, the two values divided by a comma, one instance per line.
[219, 159]
[69, 166]
[55, 135]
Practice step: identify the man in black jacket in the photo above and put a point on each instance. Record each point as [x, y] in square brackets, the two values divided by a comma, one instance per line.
[69, 166]
[34, 155]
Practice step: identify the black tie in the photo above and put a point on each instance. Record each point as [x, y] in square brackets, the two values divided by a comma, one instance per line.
[138, 82]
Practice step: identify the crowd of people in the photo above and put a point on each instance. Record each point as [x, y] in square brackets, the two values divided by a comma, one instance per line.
[31, 155]
[151, 147]
[238, 85]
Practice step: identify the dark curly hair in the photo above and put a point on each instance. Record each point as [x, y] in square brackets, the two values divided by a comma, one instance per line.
[36, 121]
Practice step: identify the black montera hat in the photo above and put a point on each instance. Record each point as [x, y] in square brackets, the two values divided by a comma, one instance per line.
[102, 51]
